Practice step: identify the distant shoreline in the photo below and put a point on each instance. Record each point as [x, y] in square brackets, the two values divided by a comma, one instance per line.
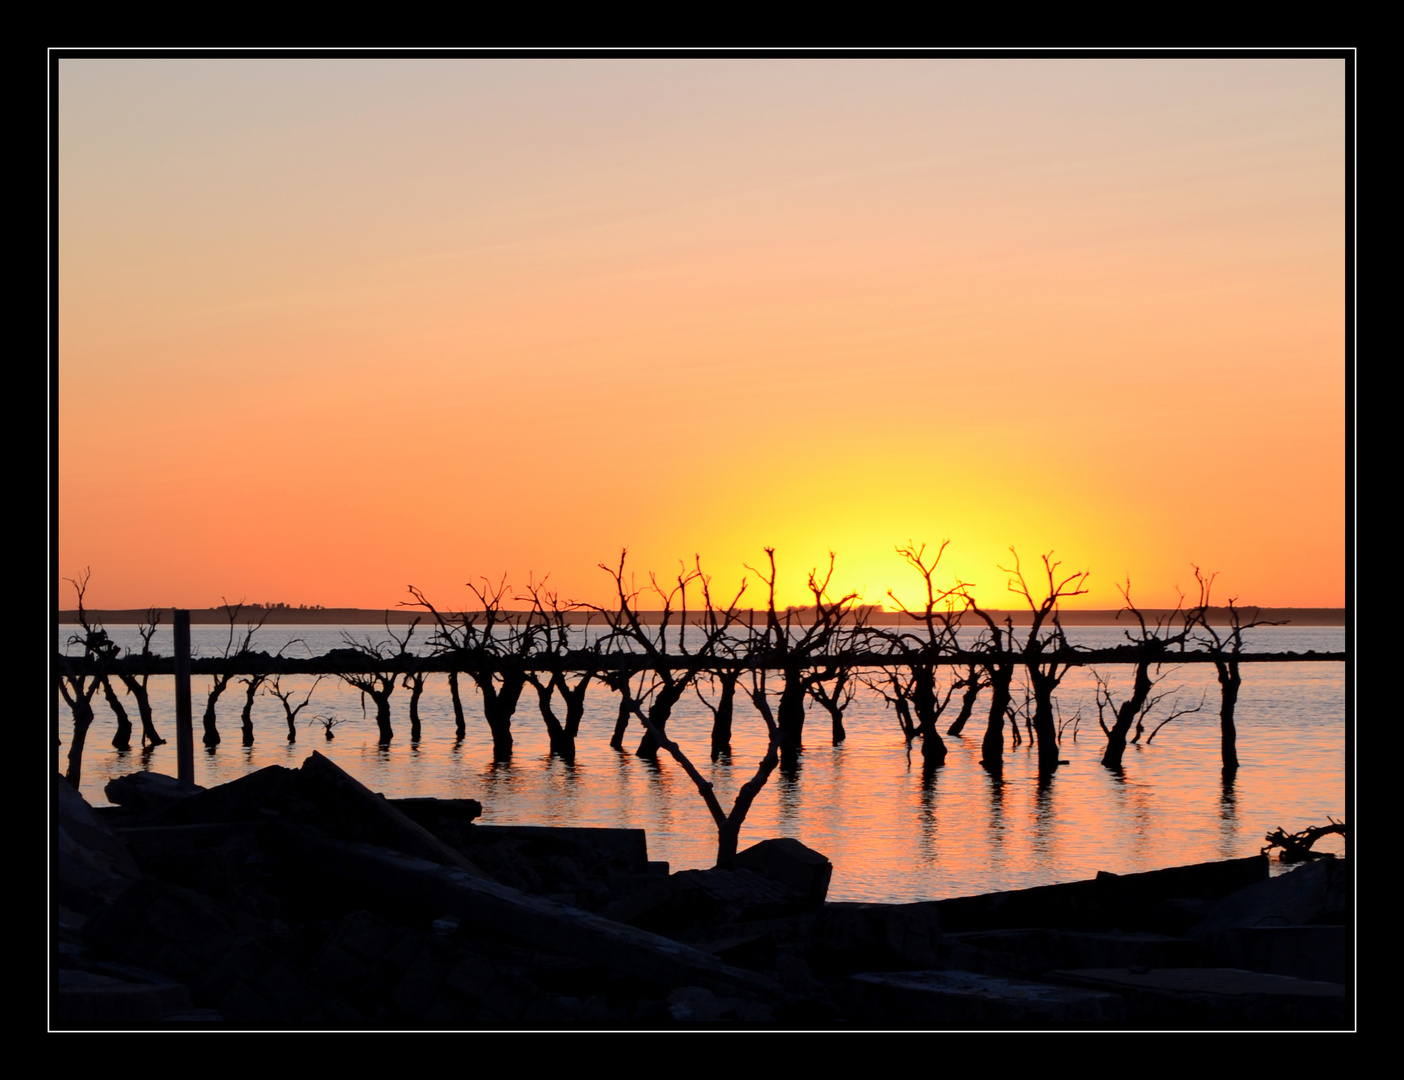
[404, 616]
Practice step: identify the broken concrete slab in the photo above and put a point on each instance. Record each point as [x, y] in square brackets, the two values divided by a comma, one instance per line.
[447, 890]
[857, 936]
[1314, 893]
[1215, 997]
[964, 1000]
[788, 861]
[1304, 952]
[148, 791]
[1110, 901]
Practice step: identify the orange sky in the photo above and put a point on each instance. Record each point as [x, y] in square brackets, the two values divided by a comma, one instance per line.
[331, 327]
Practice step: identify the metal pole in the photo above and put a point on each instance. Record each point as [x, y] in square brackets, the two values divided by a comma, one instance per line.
[185, 732]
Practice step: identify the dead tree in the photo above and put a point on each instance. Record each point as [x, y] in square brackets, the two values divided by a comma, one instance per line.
[460, 728]
[221, 680]
[1151, 645]
[628, 636]
[895, 688]
[379, 682]
[728, 824]
[76, 686]
[800, 653]
[1225, 649]
[835, 698]
[290, 710]
[1044, 654]
[999, 669]
[971, 684]
[137, 685]
[486, 647]
[922, 650]
[553, 645]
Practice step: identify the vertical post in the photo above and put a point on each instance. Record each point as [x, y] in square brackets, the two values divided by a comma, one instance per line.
[185, 732]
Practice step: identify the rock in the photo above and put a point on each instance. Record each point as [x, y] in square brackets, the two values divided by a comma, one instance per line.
[1216, 997]
[94, 865]
[1111, 901]
[144, 791]
[1304, 952]
[788, 861]
[1313, 893]
[960, 999]
[855, 937]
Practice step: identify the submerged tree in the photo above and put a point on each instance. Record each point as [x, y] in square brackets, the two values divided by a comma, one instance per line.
[77, 685]
[553, 648]
[1045, 654]
[630, 636]
[801, 653]
[939, 620]
[1151, 645]
[221, 680]
[137, 685]
[1225, 649]
[379, 682]
[290, 711]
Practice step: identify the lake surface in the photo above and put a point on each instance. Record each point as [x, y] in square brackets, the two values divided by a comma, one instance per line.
[863, 803]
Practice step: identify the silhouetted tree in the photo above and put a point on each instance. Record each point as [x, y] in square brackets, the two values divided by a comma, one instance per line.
[380, 683]
[895, 688]
[221, 680]
[796, 652]
[1225, 648]
[553, 646]
[728, 824]
[78, 687]
[629, 635]
[974, 680]
[1041, 651]
[137, 685]
[290, 710]
[1151, 644]
[923, 650]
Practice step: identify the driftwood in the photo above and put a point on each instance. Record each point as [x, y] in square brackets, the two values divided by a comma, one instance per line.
[1297, 846]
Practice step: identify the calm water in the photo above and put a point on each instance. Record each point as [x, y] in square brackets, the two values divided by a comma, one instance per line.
[863, 804]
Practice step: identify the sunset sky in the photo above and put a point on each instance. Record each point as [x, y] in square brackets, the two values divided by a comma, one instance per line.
[331, 327]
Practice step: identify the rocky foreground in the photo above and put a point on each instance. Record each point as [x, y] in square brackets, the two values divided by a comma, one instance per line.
[298, 899]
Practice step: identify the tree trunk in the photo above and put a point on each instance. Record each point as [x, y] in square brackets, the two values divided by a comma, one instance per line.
[658, 714]
[1045, 727]
[721, 718]
[82, 720]
[1130, 709]
[621, 722]
[149, 737]
[561, 745]
[992, 747]
[122, 738]
[460, 729]
[1229, 682]
[382, 715]
[416, 688]
[933, 750]
[499, 703]
[789, 717]
[211, 736]
[246, 715]
[967, 704]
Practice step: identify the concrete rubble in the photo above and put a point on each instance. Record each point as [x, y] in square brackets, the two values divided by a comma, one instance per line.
[298, 899]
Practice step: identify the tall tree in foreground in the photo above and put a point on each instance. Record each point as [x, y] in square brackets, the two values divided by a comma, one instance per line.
[728, 823]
